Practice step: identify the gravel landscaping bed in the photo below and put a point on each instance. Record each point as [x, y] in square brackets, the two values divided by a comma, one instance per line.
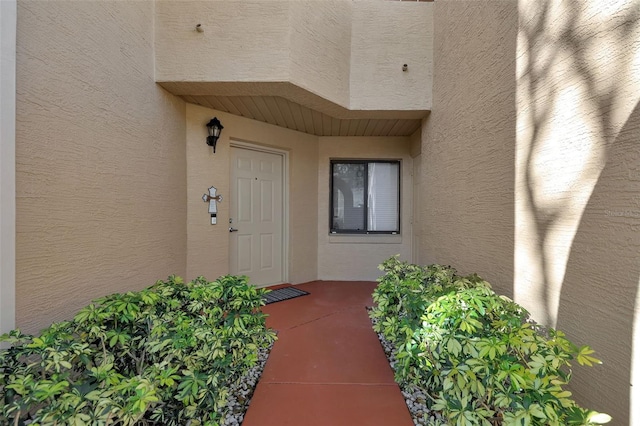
[240, 394]
[414, 397]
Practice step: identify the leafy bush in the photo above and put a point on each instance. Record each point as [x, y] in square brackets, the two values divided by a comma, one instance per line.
[164, 355]
[474, 353]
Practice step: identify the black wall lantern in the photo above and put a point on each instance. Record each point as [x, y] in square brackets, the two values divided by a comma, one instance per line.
[214, 127]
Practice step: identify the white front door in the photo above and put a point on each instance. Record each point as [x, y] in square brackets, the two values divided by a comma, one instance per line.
[256, 218]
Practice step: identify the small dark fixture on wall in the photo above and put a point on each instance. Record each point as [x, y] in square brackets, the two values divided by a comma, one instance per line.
[214, 127]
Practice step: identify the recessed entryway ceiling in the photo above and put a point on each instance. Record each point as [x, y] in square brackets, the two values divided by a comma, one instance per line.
[285, 113]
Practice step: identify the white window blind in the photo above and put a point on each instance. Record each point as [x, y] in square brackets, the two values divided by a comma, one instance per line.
[383, 197]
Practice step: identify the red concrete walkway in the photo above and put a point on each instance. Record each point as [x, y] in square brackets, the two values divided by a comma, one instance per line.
[327, 367]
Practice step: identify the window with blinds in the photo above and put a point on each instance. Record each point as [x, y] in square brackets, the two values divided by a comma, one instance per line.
[365, 197]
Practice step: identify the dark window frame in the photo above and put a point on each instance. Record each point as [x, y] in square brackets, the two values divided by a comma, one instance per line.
[366, 163]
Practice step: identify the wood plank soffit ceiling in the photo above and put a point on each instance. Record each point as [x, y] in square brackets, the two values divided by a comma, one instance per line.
[312, 114]
[284, 113]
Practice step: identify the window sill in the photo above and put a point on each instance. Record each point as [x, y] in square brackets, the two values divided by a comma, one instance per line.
[365, 239]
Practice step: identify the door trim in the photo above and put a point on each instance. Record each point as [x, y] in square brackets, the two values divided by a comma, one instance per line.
[237, 143]
[8, 22]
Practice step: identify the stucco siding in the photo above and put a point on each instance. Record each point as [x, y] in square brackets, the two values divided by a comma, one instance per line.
[349, 53]
[320, 40]
[208, 245]
[577, 185]
[241, 41]
[385, 36]
[100, 159]
[351, 257]
[469, 141]
[530, 161]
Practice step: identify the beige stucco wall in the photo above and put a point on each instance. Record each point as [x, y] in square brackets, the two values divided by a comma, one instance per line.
[531, 171]
[468, 141]
[320, 40]
[350, 257]
[415, 143]
[242, 40]
[100, 159]
[208, 245]
[348, 53]
[415, 150]
[385, 36]
[578, 183]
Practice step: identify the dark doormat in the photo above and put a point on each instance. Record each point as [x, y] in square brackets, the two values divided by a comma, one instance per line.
[283, 294]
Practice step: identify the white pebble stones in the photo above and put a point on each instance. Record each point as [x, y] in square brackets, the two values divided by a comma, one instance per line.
[240, 394]
[414, 397]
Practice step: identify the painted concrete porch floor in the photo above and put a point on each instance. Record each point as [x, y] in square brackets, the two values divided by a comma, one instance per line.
[327, 367]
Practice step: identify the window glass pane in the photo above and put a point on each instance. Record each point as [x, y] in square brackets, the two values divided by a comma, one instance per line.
[348, 196]
[383, 214]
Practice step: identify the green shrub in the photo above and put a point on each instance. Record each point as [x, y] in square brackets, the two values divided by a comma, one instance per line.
[164, 355]
[474, 353]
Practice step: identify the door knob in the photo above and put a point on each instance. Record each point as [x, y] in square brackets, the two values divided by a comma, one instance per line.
[232, 229]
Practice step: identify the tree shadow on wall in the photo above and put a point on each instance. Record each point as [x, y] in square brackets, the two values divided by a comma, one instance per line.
[538, 68]
[599, 288]
[597, 302]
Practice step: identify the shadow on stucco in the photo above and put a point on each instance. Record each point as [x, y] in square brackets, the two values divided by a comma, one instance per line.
[597, 301]
[534, 80]
[600, 284]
